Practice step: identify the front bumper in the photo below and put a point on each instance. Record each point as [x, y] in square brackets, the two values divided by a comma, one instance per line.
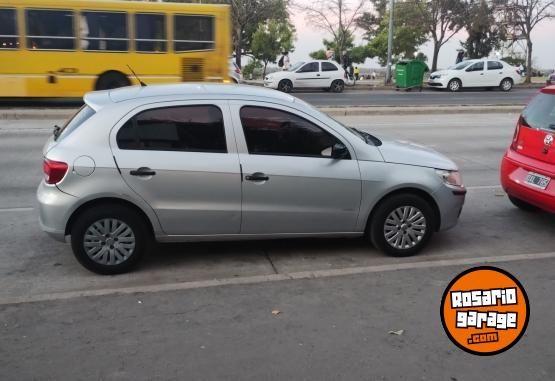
[54, 208]
[438, 82]
[450, 201]
[270, 84]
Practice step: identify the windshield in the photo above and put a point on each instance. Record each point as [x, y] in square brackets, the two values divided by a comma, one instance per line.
[540, 112]
[79, 118]
[296, 66]
[461, 65]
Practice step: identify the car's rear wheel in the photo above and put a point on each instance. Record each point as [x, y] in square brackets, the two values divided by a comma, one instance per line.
[402, 225]
[285, 85]
[454, 85]
[337, 86]
[109, 239]
[506, 84]
[523, 205]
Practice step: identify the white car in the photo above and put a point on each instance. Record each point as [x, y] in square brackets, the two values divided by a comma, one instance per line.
[328, 75]
[476, 73]
[234, 72]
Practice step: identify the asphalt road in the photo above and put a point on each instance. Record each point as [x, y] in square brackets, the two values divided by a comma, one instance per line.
[432, 97]
[203, 311]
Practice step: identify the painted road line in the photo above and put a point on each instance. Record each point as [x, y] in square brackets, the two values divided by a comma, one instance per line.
[275, 277]
[478, 187]
[24, 209]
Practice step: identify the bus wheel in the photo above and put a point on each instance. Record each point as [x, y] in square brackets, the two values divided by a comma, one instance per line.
[111, 80]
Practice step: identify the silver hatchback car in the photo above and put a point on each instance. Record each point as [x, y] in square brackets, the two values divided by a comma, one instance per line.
[192, 162]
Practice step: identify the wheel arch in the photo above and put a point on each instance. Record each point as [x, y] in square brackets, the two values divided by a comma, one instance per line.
[97, 202]
[410, 190]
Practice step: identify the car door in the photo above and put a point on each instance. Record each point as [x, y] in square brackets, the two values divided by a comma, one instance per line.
[494, 73]
[474, 75]
[181, 159]
[308, 75]
[291, 185]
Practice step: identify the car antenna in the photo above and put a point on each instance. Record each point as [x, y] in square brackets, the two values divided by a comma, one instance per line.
[137, 77]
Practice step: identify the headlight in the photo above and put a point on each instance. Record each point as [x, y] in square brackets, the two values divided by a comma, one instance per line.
[435, 76]
[452, 178]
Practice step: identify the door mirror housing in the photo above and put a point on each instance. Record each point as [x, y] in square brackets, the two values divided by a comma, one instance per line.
[339, 151]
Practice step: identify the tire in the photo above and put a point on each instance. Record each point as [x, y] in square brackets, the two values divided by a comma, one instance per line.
[133, 231]
[454, 85]
[506, 84]
[381, 227]
[111, 80]
[337, 86]
[285, 85]
[523, 205]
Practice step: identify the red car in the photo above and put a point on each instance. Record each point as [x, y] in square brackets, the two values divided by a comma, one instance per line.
[528, 167]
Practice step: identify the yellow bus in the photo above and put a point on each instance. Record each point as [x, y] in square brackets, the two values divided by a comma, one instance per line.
[64, 48]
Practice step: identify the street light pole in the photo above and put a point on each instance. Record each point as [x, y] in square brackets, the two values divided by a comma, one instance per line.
[389, 42]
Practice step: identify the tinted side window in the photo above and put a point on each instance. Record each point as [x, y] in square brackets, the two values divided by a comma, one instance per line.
[150, 32]
[275, 132]
[50, 29]
[193, 33]
[309, 68]
[181, 128]
[478, 66]
[328, 66]
[8, 29]
[104, 31]
[494, 65]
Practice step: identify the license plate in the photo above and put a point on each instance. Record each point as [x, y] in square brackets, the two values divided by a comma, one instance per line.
[537, 180]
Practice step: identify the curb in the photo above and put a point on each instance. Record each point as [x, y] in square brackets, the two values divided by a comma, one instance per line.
[38, 114]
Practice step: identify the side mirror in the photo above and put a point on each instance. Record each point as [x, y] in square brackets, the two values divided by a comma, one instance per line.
[339, 151]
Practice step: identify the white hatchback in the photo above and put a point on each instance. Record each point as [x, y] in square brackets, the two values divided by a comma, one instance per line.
[486, 73]
[328, 75]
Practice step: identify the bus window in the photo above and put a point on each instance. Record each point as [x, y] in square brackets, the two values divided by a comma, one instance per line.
[8, 29]
[106, 31]
[193, 33]
[49, 29]
[150, 32]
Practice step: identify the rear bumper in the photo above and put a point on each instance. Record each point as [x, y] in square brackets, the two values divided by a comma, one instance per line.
[54, 207]
[514, 168]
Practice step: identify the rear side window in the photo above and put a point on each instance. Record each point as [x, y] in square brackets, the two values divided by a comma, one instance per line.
[78, 119]
[150, 32]
[105, 31]
[181, 128]
[49, 29]
[8, 29]
[494, 65]
[193, 33]
[328, 66]
[276, 132]
[540, 112]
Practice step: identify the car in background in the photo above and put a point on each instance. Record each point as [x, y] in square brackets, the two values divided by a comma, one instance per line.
[528, 166]
[234, 72]
[327, 75]
[550, 79]
[197, 162]
[485, 73]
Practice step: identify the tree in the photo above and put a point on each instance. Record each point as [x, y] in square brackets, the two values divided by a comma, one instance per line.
[318, 55]
[337, 18]
[483, 31]
[442, 19]
[524, 16]
[409, 32]
[270, 39]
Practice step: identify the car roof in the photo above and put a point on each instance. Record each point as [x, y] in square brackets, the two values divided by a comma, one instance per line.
[100, 99]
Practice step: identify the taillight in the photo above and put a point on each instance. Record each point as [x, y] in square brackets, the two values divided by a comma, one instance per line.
[237, 70]
[54, 171]
[514, 144]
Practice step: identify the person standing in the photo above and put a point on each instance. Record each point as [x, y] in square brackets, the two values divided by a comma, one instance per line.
[286, 61]
[357, 73]
[460, 56]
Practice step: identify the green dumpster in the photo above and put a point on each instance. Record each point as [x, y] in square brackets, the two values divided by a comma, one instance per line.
[410, 74]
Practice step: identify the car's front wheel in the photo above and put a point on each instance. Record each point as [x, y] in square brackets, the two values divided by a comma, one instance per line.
[402, 225]
[454, 85]
[337, 86]
[285, 85]
[109, 239]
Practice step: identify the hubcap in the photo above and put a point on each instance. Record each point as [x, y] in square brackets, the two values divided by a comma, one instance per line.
[506, 85]
[454, 85]
[109, 241]
[404, 227]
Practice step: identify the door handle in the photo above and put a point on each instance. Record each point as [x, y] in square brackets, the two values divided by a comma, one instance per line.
[143, 171]
[481, 73]
[257, 176]
[317, 75]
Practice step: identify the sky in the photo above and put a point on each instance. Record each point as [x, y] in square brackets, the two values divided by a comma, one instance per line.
[309, 39]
